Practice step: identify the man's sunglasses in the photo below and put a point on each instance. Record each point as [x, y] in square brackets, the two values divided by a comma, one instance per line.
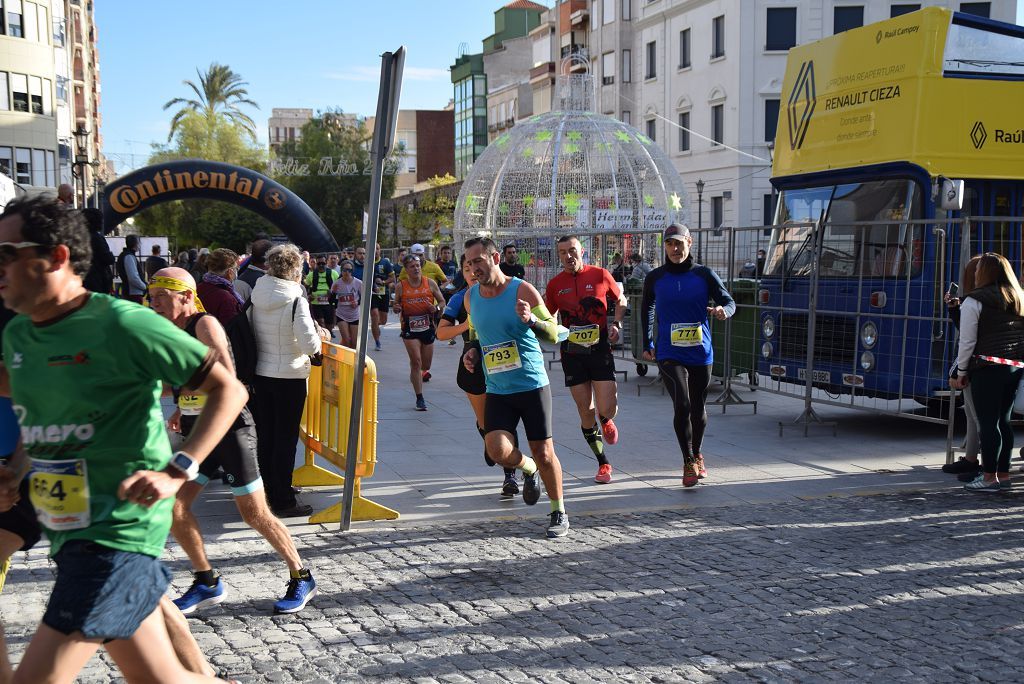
[9, 250]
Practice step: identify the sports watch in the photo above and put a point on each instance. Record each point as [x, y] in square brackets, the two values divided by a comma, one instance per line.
[184, 463]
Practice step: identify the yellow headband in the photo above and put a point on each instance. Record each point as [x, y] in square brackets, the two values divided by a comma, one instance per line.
[175, 285]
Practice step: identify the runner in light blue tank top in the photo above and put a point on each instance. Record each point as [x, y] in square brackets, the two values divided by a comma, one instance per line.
[512, 357]
[510, 320]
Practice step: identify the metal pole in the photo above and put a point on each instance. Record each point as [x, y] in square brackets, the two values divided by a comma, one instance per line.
[387, 111]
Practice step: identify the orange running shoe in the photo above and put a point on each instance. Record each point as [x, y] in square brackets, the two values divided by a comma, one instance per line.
[702, 472]
[610, 432]
[604, 474]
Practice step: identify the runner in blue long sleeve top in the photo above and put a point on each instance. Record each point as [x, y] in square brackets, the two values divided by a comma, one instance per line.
[675, 303]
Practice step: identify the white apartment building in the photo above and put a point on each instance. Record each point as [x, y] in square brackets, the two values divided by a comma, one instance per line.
[716, 67]
[286, 124]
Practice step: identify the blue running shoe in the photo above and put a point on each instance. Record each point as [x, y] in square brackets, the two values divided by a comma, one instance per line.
[421, 404]
[300, 591]
[201, 596]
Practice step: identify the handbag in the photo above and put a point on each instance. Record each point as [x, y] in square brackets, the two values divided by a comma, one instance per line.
[314, 359]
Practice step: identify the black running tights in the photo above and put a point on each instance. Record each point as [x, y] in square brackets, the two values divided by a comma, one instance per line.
[688, 387]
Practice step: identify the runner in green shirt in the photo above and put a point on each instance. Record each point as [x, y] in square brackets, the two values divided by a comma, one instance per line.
[84, 372]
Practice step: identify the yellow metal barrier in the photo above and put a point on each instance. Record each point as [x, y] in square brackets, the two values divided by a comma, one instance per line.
[325, 428]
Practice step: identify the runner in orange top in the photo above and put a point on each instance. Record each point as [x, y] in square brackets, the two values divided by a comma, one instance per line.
[580, 295]
[417, 301]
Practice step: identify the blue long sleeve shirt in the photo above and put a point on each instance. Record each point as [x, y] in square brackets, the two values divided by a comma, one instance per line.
[675, 303]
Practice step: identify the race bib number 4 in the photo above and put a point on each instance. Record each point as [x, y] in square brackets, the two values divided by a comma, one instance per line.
[59, 491]
[502, 357]
[419, 323]
[191, 404]
[584, 335]
[687, 335]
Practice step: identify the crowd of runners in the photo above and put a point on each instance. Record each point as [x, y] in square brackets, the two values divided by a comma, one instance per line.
[91, 465]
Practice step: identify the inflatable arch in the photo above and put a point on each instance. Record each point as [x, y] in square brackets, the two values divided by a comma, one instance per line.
[201, 179]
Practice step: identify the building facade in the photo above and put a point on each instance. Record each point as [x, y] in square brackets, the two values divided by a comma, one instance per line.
[424, 146]
[702, 76]
[470, 110]
[50, 96]
[286, 124]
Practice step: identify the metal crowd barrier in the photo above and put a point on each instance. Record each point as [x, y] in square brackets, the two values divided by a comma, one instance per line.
[324, 432]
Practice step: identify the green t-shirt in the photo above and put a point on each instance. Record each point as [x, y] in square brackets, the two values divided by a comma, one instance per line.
[86, 390]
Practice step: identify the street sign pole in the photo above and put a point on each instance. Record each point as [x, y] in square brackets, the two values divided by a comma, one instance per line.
[392, 64]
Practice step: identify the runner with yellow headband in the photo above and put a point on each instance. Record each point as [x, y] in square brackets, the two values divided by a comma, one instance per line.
[159, 282]
[236, 454]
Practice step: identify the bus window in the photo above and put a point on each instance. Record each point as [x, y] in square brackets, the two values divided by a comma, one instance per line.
[887, 248]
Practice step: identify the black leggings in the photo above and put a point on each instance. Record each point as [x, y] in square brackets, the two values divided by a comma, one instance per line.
[688, 387]
[992, 391]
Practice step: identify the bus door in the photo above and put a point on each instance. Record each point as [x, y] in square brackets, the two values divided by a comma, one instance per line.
[996, 199]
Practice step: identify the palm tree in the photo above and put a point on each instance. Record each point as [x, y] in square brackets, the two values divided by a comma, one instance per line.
[219, 94]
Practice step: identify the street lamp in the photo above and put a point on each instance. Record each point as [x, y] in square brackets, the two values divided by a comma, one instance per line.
[700, 218]
[82, 158]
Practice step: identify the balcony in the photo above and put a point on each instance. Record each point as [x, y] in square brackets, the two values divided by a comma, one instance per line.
[492, 128]
[580, 50]
[542, 73]
[579, 18]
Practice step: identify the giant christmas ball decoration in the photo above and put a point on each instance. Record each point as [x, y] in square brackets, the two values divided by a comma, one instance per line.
[571, 171]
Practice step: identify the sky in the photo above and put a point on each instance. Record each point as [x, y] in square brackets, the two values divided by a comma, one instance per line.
[296, 53]
[293, 53]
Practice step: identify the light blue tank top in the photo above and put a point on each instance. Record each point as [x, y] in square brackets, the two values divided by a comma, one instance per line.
[511, 353]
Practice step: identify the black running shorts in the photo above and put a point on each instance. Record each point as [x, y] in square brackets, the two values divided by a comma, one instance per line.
[426, 336]
[471, 383]
[380, 303]
[533, 408]
[236, 454]
[21, 519]
[593, 367]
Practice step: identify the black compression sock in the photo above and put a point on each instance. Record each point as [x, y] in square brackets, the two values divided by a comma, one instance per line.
[207, 577]
[593, 437]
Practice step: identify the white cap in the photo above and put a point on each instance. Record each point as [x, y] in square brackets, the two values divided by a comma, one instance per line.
[417, 249]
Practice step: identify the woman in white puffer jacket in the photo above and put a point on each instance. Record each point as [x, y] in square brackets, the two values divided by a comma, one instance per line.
[285, 337]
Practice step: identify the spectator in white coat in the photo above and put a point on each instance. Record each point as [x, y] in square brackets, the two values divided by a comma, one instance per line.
[286, 335]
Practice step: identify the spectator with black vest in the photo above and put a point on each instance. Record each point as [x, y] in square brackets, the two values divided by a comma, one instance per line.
[989, 358]
[154, 263]
[100, 278]
[129, 270]
[254, 270]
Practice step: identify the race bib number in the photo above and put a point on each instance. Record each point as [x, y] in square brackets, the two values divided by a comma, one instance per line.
[59, 491]
[584, 335]
[687, 335]
[419, 323]
[379, 290]
[348, 298]
[322, 300]
[191, 404]
[502, 357]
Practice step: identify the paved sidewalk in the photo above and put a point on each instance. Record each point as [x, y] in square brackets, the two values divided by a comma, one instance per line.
[890, 588]
[430, 464]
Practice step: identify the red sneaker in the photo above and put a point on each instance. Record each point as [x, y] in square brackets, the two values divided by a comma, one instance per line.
[604, 474]
[610, 432]
[690, 475]
[702, 472]
[426, 376]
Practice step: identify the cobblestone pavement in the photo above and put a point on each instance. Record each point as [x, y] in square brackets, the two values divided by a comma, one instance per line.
[898, 587]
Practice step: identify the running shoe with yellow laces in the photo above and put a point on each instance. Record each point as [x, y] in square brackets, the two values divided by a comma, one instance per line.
[691, 475]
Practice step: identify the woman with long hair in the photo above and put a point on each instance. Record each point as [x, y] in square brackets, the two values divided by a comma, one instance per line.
[991, 341]
[968, 467]
[455, 321]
